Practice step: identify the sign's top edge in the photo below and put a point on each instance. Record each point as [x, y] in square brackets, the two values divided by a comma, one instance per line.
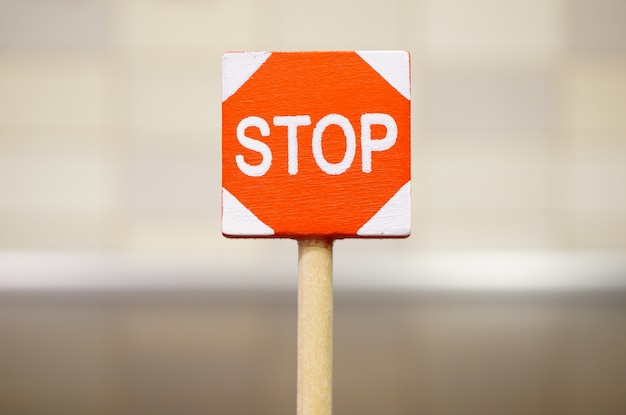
[235, 52]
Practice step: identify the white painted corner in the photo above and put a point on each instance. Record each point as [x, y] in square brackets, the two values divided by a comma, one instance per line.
[237, 68]
[394, 218]
[237, 220]
[393, 65]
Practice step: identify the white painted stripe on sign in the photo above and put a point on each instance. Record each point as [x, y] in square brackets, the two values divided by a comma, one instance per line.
[237, 68]
[394, 218]
[393, 65]
[237, 220]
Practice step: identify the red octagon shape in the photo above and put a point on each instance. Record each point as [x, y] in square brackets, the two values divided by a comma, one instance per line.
[311, 202]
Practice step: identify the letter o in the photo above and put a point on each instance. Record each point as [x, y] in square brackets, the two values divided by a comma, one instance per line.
[348, 131]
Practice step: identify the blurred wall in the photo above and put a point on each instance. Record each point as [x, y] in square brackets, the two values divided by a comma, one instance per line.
[110, 118]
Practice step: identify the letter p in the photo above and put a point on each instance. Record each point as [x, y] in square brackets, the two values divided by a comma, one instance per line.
[368, 145]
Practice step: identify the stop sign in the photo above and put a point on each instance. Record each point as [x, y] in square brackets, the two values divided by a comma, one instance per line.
[316, 144]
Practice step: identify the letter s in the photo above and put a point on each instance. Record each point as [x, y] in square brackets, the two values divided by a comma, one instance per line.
[254, 145]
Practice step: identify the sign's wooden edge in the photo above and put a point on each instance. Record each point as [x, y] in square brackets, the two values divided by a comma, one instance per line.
[393, 220]
[249, 62]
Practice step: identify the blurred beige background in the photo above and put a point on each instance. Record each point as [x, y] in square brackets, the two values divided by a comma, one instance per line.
[118, 293]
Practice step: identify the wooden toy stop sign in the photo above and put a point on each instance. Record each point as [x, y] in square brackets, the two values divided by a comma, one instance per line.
[316, 144]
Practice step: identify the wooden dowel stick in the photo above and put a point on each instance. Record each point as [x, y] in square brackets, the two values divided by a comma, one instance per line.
[315, 327]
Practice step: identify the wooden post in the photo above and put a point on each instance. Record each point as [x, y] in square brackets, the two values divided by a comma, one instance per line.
[316, 146]
[315, 327]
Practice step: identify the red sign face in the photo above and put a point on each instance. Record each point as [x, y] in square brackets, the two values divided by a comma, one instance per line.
[316, 144]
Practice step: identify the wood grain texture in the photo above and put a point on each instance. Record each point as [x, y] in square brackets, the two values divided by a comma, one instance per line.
[315, 327]
[316, 144]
